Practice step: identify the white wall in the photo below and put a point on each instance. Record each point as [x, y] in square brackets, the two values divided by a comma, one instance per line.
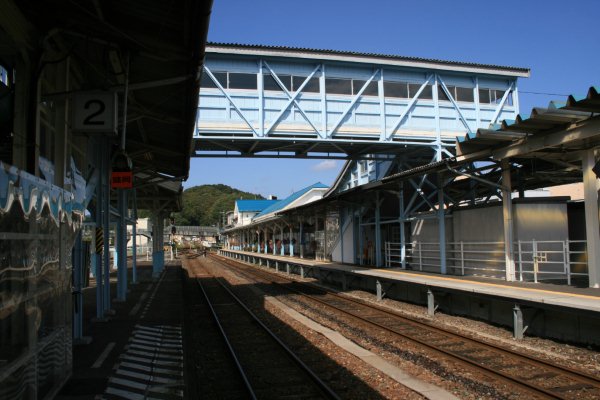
[541, 221]
[426, 230]
[532, 221]
[349, 245]
[244, 218]
[479, 225]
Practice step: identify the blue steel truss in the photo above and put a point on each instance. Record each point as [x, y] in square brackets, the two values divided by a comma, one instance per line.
[376, 109]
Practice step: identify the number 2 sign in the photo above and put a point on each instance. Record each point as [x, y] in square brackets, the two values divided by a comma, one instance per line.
[95, 112]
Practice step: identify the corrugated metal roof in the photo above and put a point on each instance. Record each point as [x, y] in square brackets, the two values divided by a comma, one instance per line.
[558, 115]
[280, 205]
[420, 170]
[368, 55]
[254, 205]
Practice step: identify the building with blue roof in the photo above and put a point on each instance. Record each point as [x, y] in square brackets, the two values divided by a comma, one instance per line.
[301, 197]
[245, 210]
[261, 225]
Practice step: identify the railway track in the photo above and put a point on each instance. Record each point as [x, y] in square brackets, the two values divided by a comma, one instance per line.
[533, 375]
[266, 367]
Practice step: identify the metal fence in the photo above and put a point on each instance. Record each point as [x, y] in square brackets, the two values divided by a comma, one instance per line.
[534, 260]
[141, 251]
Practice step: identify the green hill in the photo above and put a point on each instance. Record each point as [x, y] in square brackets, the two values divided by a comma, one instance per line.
[202, 205]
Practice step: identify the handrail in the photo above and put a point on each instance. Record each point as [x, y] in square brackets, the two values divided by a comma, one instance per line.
[534, 259]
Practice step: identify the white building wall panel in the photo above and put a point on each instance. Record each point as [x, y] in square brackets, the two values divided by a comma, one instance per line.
[541, 221]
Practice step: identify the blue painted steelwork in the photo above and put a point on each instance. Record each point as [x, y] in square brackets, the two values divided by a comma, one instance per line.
[121, 245]
[134, 240]
[280, 102]
[105, 170]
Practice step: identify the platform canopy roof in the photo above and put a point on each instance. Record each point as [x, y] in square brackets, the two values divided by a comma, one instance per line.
[163, 44]
[552, 131]
[253, 205]
[545, 144]
[285, 203]
[544, 149]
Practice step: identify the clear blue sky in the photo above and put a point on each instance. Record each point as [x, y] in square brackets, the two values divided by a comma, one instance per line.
[558, 40]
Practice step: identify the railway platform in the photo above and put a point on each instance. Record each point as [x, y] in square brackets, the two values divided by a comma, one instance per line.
[138, 351]
[555, 311]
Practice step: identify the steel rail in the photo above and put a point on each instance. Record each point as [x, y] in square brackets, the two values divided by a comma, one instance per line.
[532, 360]
[321, 385]
[318, 381]
[226, 339]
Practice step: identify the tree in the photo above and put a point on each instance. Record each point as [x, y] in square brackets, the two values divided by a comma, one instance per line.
[203, 205]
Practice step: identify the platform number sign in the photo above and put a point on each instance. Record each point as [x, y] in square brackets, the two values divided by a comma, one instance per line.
[95, 112]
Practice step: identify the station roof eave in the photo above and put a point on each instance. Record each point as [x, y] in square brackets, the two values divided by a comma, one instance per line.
[546, 143]
[252, 205]
[283, 203]
[163, 47]
[360, 57]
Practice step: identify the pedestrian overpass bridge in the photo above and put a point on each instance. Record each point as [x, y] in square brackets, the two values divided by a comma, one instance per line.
[260, 101]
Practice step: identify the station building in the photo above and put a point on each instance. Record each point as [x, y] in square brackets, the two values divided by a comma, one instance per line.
[438, 158]
[268, 231]
[99, 115]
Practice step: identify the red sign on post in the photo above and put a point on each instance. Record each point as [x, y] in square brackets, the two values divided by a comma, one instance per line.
[121, 180]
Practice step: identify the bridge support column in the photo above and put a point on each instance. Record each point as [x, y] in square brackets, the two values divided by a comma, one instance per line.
[402, 230]
[361, 244]
[355, 236]
[325, 249]
[592, 230]
[301, 238]
[291, 241]
[442, 225]
[281, 241]
[378, 258]
[507, 213]
[134, 241]
[341, 225]
[98, 236]
[158, 254]
[106, 225]
[121, 245]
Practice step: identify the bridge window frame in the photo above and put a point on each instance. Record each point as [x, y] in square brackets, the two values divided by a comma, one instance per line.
[371, 90]
[459, 94]
[395, 89]
[270, 84]
[426, 94]
[242, 81]
[464, 94]
[312, 86]
[494, 96]
[338, 86]
[207, 83]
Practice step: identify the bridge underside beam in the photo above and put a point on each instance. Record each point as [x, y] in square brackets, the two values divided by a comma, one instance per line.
[290, 147]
